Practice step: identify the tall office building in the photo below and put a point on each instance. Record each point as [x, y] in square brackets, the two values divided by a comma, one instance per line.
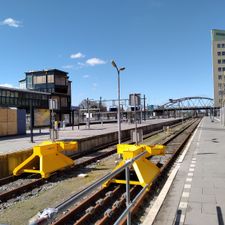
[218, 57]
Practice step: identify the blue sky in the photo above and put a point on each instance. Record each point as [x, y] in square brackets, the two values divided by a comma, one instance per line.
[164, 45]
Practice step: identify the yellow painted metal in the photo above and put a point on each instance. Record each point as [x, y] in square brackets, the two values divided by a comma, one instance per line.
[145, 170]
[47, 158]
[124, 182]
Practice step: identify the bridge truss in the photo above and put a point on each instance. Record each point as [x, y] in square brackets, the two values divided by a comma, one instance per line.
[189, 103]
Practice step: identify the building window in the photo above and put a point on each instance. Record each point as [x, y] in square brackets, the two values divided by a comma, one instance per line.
[40, 79]
[220, 86]
[223, 61]
[218, 45]
[223, 68]
[63, 102]
[218, 53]
[59, 80]
[219, 61]
[51, 78]
[220, 93]
[219, 69]
[223, 45]
[219, 77]
[223, 53]
[29, 82]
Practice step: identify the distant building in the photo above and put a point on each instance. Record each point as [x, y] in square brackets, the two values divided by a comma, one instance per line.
[55, 82]
[218, 58]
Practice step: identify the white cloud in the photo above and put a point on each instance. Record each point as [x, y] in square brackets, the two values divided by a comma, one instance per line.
[86, 76]
[11, 22]
[94, 86]
[67, 67]
[6, 85]
[80, 64]
[95, 61]
[77, 55]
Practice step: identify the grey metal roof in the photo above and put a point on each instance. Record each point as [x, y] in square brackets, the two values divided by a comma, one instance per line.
[23, 90]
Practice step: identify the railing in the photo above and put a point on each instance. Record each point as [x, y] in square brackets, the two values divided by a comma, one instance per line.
[51, 213]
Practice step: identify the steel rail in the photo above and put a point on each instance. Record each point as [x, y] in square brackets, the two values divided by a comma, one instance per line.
[28, 187]
[141, 194]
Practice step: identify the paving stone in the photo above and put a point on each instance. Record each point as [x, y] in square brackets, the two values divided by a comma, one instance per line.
[194, 207]
[194, 218]
[208, 199]
[209, 208]
[208, 191]
[195, 197]
[196, 190]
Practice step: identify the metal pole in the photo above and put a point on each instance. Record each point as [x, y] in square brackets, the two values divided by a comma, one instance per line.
[52, 119]
[223, 115]
[128, 194]
[144, 110]
[135, 118]
[78, 126]
[31, 123]
[100, 113]
[88, 113]
[118, 111]
[72, 119]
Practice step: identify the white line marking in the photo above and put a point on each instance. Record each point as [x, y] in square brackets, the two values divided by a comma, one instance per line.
[183, 205]
[187, 186]
[189, 179]
[185, 194]
[191, 169]
[190, 174]
[192, 165]
[182, 218]
[217, 119]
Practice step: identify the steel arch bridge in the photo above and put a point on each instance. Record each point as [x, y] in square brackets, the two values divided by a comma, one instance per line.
[188, 103]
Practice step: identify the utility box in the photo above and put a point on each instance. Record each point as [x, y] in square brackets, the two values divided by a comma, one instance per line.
[135, 99]
[139, 135]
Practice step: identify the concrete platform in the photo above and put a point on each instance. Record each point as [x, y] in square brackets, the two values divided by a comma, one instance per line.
[14, 150]
[197, 193]
[18, 143]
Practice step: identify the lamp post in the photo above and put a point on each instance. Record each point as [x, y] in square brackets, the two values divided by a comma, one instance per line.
[118, 111]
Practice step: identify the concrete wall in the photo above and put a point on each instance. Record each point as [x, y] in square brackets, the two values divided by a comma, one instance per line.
[10, 161]
[93, 143]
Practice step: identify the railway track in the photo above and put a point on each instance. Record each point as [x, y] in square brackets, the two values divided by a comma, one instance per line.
[106, 205]
[12, 187]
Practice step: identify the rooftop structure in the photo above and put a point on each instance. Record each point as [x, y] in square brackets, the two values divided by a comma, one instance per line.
[55, 82]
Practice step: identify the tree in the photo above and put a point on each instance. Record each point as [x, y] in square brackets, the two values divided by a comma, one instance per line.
[92, 105]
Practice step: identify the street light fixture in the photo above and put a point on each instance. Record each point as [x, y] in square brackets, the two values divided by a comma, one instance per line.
[118, 111]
